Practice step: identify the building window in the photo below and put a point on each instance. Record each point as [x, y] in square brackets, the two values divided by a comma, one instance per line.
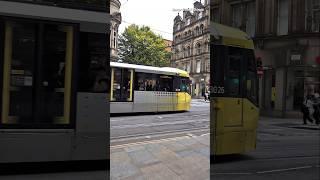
[198, 48]
[189, 51]
[178, 27]
[283, 18]
[201, 28]
[312, 15]
[197, 30]
[189, 33]
[251, 19]
[236, 15]
[188, 22]
[188, 67]
[184, 52]
[200, 15]
[215, 15]
[185, 34]
[198, 66]
[114, 39]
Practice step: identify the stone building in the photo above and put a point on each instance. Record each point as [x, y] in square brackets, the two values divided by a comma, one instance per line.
[115, 22]
[286, 34]
[168, 45]
[190, 46]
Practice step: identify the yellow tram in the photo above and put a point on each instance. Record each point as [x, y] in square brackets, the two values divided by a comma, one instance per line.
[138, 88]
[234, 91]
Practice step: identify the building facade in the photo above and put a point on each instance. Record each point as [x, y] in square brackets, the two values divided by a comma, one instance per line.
[190, 46]
[286, 34]
[168, 45]
[115, 23]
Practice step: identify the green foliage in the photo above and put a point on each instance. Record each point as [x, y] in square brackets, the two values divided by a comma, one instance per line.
[139, 45]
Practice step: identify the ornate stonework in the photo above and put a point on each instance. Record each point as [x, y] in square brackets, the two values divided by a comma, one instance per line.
[115, 22]
[190, 46]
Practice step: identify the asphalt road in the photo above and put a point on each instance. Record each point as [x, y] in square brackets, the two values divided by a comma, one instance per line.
[139, 127]
[283, 152]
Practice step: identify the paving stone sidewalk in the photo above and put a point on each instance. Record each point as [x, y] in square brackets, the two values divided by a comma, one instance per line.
[180, 158]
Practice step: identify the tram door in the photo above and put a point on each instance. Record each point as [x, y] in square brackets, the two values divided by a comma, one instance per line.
[227, 99]
[37, 74]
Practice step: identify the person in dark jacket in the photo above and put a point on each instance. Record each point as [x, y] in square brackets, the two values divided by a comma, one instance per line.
[305, 110]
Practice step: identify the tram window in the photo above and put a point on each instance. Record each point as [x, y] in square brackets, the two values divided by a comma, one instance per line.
[184, 85]
[145, 82]
[38, 61]
[165, 83]
[233, 75]
[116, 84]
[92, 63]
[22, 72]
[252, 81]
[121, 84]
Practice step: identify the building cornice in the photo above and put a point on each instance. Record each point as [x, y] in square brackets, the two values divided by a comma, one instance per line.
[191, 24]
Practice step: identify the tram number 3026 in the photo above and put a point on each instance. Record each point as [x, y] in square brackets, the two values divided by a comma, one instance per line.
[218, 90]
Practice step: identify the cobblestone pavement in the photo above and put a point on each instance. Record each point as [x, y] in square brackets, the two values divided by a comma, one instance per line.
[184, 158]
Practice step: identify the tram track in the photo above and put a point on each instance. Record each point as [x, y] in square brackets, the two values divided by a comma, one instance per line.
[158, 135]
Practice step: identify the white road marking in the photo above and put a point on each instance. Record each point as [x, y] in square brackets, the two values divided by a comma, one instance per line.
[149, 142]
[205, 134]
[158, 124]
[191, 135]
[237, 173]
[281, 170]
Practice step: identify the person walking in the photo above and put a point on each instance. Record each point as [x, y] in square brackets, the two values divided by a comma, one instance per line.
[307, 109]
[206, 96]
[316, 107]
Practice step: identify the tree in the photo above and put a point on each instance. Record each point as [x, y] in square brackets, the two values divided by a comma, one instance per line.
[139, 45]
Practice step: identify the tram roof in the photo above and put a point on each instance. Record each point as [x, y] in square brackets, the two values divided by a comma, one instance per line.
[151, 69]
[230, 36]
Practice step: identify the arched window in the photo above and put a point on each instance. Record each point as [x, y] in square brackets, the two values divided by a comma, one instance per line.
[201, 28]
[197, 30]
[114, 39]
[184, 52]
[189, 33]
[198, 46]
[189, 51]
[177, 53]
[185, 34]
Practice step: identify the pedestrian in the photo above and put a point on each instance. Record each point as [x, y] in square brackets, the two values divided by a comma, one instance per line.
[316, 107]
[206, 96]
[307, 109]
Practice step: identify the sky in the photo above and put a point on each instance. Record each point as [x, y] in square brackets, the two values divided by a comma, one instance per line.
[157, 14]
